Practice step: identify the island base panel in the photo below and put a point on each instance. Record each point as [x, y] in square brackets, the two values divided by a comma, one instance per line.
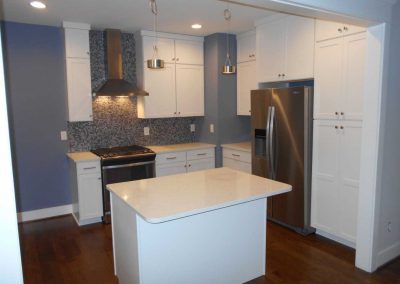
[221, 246]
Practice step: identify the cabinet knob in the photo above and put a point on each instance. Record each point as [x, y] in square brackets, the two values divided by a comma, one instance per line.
[342, 113]
[336, 127]
[283, 75]
[250, 111]
[99, 178]
[190, 165]
[175, 112]
[336, 113]
[345, 28]
[87, 52]
[177, 59]
[173, 59]
[341, 127]
[279, 75]
[340, 30]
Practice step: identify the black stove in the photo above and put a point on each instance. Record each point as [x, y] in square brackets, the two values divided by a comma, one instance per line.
[120, 164]
[124, 154]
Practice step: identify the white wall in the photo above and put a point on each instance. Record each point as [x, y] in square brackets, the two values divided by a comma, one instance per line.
[388, 239]
[10, 258]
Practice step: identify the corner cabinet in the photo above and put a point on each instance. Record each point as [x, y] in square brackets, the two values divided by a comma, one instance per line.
[79, 90]
[178, 89]
[86, 189]
[285, 48]
[246, 71]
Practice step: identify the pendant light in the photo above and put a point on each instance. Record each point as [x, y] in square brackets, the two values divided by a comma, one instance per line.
[155, 62]
[228, 68]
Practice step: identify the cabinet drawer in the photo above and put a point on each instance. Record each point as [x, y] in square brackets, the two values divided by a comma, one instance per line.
[200, 154]
[88, 167]
[167, 169]
[170, 157]
[237, 155]
[237, 165]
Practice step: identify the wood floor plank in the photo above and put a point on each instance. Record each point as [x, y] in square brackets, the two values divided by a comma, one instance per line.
[58, 251]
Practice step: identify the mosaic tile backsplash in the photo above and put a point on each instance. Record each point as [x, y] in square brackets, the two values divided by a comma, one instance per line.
[115, 121]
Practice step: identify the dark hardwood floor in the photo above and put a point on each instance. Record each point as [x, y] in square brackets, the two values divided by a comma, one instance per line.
[58, 251]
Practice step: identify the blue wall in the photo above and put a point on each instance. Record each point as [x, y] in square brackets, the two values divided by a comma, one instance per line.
[220, 97]
[36, 89]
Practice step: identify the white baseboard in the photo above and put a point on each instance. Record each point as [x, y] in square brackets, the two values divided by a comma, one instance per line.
[388, 254]
[336, 238]
[44, 213]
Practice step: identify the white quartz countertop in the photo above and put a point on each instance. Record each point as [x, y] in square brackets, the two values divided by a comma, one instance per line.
[167, 198]
[83, 156]
[179, 147]
[243, 146]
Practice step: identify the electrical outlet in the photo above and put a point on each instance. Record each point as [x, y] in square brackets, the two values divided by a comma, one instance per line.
[63, 135]
[146, 131]
[211, 128]
[192, 127]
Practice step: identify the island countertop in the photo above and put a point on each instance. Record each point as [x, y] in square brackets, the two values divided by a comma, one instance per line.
[168, 198]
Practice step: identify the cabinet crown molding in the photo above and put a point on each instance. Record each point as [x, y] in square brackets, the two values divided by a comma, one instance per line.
[171, 36]
[270, 19]
[73, 25]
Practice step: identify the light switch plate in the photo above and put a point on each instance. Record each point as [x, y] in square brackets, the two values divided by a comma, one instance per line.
[211, 128]
[63, 135]
[146, 131]
[192, 127]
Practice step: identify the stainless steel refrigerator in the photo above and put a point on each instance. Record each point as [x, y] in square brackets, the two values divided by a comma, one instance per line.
[281, 122]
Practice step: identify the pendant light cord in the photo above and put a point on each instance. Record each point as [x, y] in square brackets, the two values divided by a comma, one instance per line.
[154, 10]
[228, 16]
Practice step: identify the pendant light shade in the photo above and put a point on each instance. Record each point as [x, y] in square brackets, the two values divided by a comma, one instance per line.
[155, 62]
[228, 67]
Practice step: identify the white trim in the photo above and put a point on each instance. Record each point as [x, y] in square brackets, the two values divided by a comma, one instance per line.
[72, 25]
[172, 36]
[388, 254]
[44, 213]
[336, 238]
[86, 221]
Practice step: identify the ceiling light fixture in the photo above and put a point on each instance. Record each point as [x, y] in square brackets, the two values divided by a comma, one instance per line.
[196, 26]
[38, 5]
[155, 62]
[228, 68]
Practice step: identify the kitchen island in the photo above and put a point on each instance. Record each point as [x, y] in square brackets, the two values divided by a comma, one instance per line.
[201, 227]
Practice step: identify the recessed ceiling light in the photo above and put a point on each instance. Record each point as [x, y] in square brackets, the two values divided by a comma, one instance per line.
[38, 4]
[196, 26]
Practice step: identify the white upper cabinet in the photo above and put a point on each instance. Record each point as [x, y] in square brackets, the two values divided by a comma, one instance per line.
[246, 81]
[327, 30]
[178, 89]
[246, 47]
[76, 43]
[77, 60]
[339, 78]
[189, 52]
[285, 48]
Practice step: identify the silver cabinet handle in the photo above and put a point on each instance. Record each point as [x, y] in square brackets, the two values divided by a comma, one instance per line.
[201, 154]
[235, 155]
[171, 158]
[89, 168]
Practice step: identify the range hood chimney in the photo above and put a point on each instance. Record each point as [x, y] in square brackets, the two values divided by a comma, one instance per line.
[115, 84]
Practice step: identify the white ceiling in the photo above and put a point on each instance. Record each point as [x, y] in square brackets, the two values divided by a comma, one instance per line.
[131, 15]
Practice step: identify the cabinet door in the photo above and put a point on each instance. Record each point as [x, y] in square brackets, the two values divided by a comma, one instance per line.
[328, 30]
[201, 164]
[170, 169]
[246, 81]
[189, 52]
[90, 196]
[299, 48]
[161, 101]
[270, 48]
[325, 180]
[352, 29]
[354, 48]
[165, 49]
[79, 90]
[350, 152]
[189, 90]
[328, 79]
[246, 48]
[76, 43]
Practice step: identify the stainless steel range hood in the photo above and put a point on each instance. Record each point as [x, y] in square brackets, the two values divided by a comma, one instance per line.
[115, 84]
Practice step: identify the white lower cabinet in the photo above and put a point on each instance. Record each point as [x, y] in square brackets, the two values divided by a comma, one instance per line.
[184, 161]
[86, 188]
[236, 159]
[335, 179]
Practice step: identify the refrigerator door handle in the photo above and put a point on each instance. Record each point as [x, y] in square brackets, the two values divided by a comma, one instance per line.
[267, 141]
[271, 143]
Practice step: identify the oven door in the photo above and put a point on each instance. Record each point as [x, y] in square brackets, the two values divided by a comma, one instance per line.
[121, 173]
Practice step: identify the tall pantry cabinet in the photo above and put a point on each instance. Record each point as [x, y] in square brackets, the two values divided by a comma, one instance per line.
[338, 114]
